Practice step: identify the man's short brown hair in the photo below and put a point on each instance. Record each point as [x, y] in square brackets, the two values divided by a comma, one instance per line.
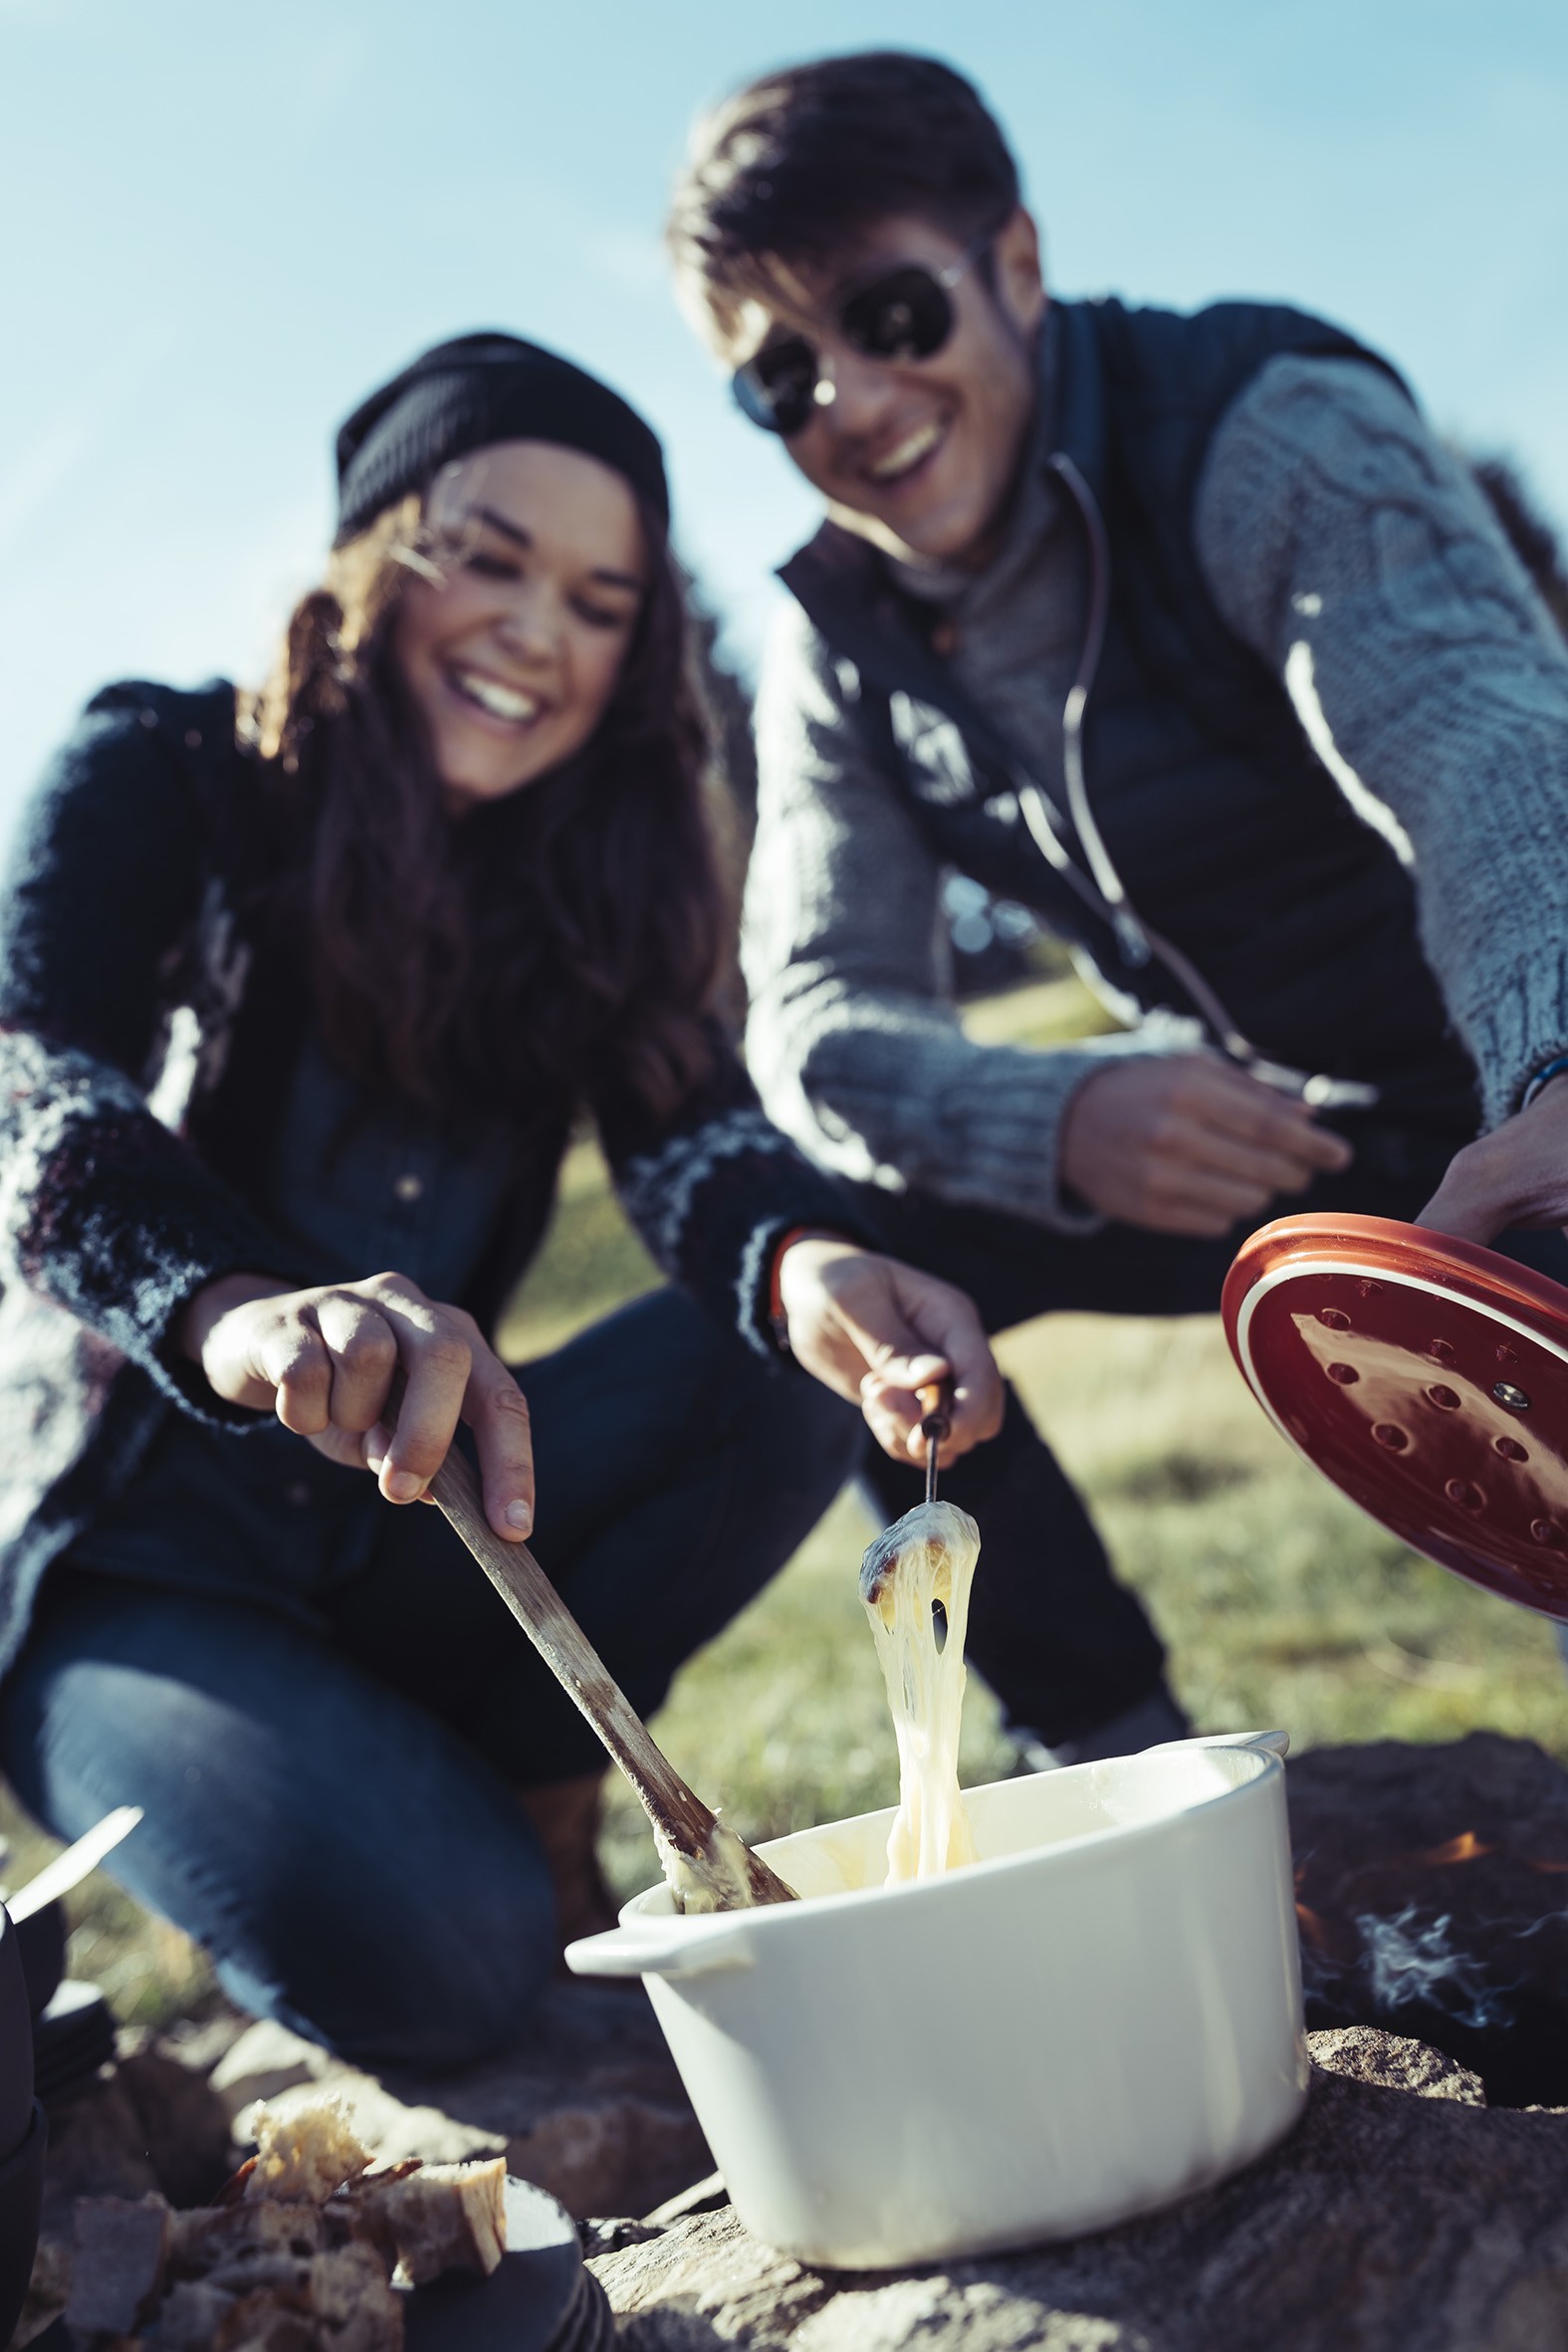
[796, 164]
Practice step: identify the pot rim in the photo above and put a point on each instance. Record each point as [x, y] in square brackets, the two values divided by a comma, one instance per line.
[949, 1885]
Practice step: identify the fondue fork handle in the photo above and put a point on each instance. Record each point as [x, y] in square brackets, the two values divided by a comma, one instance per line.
[677, 1812]
[934, 1424]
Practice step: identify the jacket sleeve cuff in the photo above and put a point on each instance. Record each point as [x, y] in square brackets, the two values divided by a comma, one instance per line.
[714, 1203]
[109, 1216]
[1521, 1026]
[986, 1131]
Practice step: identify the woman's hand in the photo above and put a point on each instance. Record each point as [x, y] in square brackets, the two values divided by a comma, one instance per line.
[1516, 1175]
[1188, 1143]
[324, 1360]
[876, 1331]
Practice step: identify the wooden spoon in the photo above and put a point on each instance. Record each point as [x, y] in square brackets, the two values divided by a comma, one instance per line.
[709, 1868]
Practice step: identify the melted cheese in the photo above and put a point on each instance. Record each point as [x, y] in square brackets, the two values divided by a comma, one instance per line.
[723, 1884]
[927, 1555]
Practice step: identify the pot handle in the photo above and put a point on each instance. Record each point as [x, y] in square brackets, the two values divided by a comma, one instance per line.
[624, 1952]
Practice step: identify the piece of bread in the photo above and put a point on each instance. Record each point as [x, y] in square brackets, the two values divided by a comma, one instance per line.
[445, 2216]
[306, 2151]
[189, 2318]
[355, 2302]
[258, 2324]
[119, 2260]
[212, 2234]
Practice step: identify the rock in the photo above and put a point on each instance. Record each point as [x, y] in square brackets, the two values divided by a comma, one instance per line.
[1366, 2055]
[1433, 1892]
[149, 2123]
[184, 2124]
[266, 2059]
[589, 2104]
[703, 2197]
[1399, 2216]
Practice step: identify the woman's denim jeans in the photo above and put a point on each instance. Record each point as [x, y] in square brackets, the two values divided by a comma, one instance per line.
[325, 1707]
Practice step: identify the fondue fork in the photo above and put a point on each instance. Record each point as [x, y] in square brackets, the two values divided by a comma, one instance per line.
[934, 1427]
[683, 1826]
[882, 1556]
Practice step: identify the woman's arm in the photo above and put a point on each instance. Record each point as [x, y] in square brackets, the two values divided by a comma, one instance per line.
[729, 1207]
[101, 1209]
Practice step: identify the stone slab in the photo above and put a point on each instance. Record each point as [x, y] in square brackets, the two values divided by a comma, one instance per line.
[1400, 2215]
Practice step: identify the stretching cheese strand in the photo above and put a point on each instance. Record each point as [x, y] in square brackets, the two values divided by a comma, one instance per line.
[927, 1555]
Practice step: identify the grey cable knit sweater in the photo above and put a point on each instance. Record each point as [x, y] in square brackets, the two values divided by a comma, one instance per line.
[1344, 545]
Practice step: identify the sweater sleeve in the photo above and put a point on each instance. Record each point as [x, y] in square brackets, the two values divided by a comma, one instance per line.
[854, 1039]
[102, 1209]
[1356, 554]
[712, 1191]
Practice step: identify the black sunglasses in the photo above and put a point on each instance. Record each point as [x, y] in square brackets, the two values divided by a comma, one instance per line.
[902, 314]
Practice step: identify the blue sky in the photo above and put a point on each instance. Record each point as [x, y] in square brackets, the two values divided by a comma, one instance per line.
[220, 224]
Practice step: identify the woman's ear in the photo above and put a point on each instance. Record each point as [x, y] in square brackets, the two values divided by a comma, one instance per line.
[1017, 271]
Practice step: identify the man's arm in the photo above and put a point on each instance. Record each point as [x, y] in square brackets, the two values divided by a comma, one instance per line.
[854, 1039]
[1355, 553]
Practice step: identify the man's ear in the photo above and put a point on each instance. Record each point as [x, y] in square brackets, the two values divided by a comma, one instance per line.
[1016, 273]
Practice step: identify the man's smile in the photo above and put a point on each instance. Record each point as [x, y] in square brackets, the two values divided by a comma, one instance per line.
[909, 452]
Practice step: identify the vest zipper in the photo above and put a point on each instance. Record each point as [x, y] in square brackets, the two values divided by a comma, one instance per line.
[1138, 941]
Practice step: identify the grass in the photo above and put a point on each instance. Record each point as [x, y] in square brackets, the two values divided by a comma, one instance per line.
[1280, 1603]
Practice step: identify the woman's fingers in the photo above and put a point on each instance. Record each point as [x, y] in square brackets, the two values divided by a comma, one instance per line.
[362, 1346]
[325, 1360]
[945, 1328]
[292, 1357]
[877, 1330]
[437, 1359]
[497, 1412]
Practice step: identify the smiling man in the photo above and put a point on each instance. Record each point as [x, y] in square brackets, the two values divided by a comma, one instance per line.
[1186, 632]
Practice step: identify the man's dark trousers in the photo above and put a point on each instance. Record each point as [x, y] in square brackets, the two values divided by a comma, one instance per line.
[1063, 1645]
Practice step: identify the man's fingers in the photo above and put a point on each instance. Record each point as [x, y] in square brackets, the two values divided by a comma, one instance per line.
[1475, 1200]
[1467, 1221]
[1267, 1170]
[1247, 1112]
[497, 1412]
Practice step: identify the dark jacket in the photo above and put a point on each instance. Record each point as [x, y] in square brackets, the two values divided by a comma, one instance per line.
[1231, 837]
[147, 1036]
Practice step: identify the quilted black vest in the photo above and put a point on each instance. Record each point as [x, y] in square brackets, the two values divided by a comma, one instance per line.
[1231, 837]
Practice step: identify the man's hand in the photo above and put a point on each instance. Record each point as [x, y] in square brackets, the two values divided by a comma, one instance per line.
[1517, 1175]
[324, 1360]
[1189, 1143]
[876, 1330]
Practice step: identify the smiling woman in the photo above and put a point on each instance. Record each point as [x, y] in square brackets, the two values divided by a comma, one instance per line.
[444, 884]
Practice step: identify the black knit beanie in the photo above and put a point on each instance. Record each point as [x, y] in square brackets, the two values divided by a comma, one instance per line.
[473, 390]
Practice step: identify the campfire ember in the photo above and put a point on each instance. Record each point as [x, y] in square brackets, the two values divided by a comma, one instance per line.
[1466, 1848]
[1442, 1933]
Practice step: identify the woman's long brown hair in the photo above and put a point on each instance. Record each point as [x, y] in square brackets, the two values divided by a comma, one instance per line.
[508, 962]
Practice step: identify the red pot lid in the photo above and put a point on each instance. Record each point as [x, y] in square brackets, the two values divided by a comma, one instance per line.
[1428, 1378]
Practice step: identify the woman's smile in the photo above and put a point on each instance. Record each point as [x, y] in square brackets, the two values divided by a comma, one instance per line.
[513, 709]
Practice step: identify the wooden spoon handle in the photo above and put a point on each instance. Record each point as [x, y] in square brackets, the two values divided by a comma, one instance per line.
[675, 1810]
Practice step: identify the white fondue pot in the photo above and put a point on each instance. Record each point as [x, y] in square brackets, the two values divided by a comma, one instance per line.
[1099, 2016]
